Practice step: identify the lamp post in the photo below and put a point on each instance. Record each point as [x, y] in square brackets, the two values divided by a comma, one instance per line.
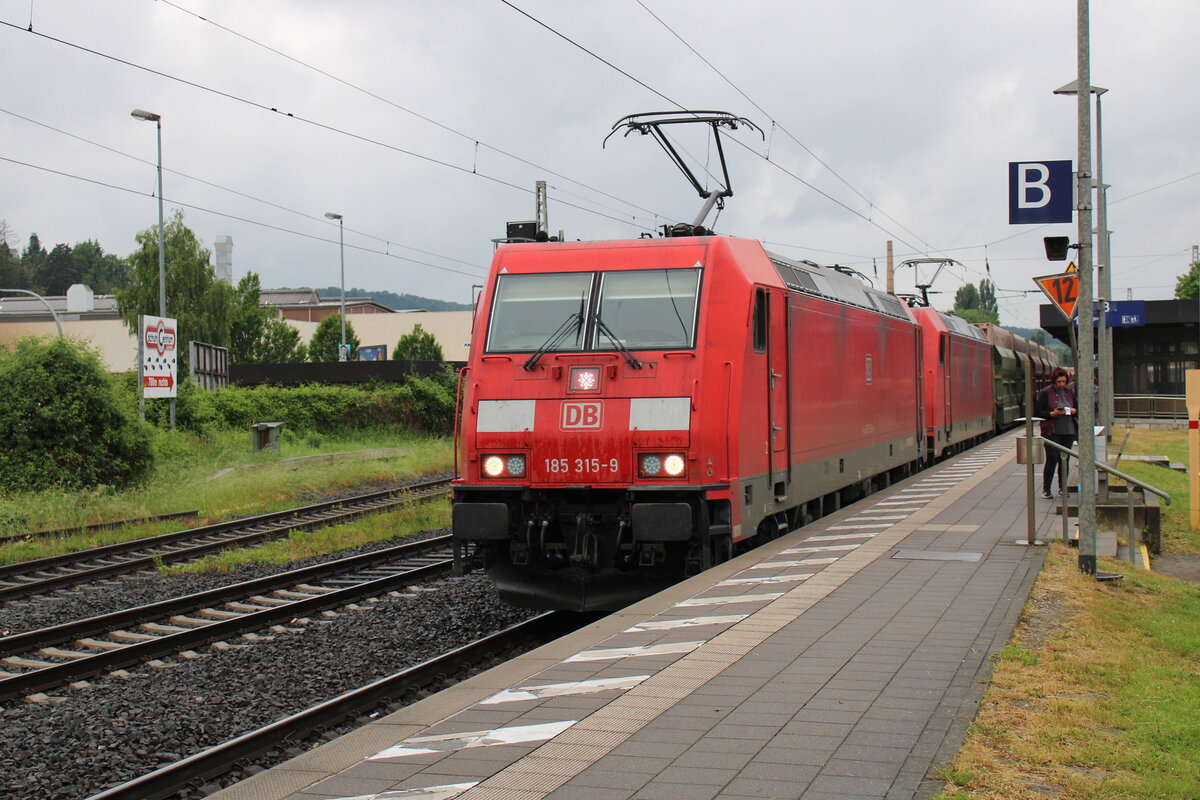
[1104, 344]
[150, 116]
[342, 355]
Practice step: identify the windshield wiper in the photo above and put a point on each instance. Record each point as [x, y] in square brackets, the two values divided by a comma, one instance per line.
[621, 348]
[554, 339]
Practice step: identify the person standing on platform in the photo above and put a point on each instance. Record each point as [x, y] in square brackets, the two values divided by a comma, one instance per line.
[1055, 404]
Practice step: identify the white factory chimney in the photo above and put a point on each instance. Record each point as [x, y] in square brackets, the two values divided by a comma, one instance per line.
[224, 266]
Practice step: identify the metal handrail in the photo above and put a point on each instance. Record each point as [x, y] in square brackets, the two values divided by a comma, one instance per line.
[1128, 478]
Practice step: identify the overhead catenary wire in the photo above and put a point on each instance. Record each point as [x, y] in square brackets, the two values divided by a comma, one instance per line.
[480, 273]
[680, 106]
[775, 123]
[309, 121]
[303, 214]
[449, 129]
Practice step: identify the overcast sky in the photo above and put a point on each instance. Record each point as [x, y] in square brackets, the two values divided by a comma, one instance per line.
[427, 125]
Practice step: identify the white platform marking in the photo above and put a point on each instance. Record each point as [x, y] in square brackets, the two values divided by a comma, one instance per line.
[562, 689]
[823, 548]
[724, 601]
[611, 654]
[446, 791]
[767, 579]
[834, 536]
[691, 622]
[876, 519]
[450, 742]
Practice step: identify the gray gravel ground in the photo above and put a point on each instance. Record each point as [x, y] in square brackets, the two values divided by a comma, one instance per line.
[119, 728]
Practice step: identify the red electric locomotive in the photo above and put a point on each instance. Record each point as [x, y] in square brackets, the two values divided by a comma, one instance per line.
[633, 410]
[957, 364]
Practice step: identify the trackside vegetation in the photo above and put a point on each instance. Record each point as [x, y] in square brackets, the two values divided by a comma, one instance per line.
[75, 449]
[62, 422]
[1096, 695]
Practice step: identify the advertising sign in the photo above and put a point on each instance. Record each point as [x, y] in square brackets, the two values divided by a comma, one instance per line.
[159, 356]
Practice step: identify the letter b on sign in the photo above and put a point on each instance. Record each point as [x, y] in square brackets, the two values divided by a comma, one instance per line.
[581, 416]
[1039, 192]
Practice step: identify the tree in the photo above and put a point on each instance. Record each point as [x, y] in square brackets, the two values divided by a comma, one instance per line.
[1039, 337]
[418, 345]
[1186, 284]
[11, 275]
[102, 272]
[59, 271]
[977, 305]
[327, 337]
[62, 422]
[33, 259]
[966, 297]
[195, 297]
[256, 335]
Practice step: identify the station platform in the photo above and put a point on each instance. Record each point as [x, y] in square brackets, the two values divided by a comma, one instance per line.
[842, 660]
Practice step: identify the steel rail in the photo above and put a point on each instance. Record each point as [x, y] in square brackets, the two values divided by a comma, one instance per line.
[77, 669]
[277, 524]
[97, 526]
[217, 760]
[70, 631]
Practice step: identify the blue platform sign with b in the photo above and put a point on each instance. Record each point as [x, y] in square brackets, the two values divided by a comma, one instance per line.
[1039, 192]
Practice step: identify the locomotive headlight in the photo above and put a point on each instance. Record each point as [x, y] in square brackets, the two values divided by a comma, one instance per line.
[516, 466]
[493, 466]
[584, 379]
[651, 466]
[674, 465]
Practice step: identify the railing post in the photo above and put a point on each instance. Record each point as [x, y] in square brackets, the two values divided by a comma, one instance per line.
[1133, 537]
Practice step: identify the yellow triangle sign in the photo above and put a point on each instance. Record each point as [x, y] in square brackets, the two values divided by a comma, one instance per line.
[1071, 266]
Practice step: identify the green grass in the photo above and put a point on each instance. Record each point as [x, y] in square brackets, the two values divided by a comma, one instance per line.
[1102, 703]
[1178, 537]
[186, 477]
[375, 528]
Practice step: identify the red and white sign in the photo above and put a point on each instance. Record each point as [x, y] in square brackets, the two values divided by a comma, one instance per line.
[159, 356]
[582, 416]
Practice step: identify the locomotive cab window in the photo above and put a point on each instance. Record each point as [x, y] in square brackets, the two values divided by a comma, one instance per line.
[581, 311]
[648, 308]
[760, 320]
[530, 310]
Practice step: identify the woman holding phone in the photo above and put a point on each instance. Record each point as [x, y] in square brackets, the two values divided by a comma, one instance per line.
[1055, 404]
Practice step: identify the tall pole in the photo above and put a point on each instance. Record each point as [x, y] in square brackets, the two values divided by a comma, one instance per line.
[149, 116]
[1084, 386]
[1104, 277]
[162, 251]
[342, 354]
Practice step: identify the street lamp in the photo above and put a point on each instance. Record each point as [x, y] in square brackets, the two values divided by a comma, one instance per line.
[1104, 345]
[150, 116]
[342, 355]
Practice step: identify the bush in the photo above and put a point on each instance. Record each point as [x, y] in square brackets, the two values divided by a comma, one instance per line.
[62, 422]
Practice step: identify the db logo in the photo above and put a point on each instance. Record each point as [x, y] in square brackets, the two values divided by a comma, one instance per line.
[581, 416]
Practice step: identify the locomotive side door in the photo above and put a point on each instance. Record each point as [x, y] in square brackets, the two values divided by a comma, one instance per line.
[776, 341]
[947, 371]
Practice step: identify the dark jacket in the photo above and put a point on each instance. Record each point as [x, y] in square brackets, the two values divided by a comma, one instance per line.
[1042, 407]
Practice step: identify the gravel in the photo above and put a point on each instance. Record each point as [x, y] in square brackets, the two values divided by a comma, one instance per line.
[119, 728]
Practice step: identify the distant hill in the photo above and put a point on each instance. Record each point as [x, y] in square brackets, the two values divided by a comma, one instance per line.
[399, 302]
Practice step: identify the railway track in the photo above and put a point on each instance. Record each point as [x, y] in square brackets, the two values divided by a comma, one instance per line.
[96, 527]
[62, 654]
[39, 576]
[223, 758]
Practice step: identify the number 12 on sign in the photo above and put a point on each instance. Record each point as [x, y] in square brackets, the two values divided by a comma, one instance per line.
[1062, 289]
